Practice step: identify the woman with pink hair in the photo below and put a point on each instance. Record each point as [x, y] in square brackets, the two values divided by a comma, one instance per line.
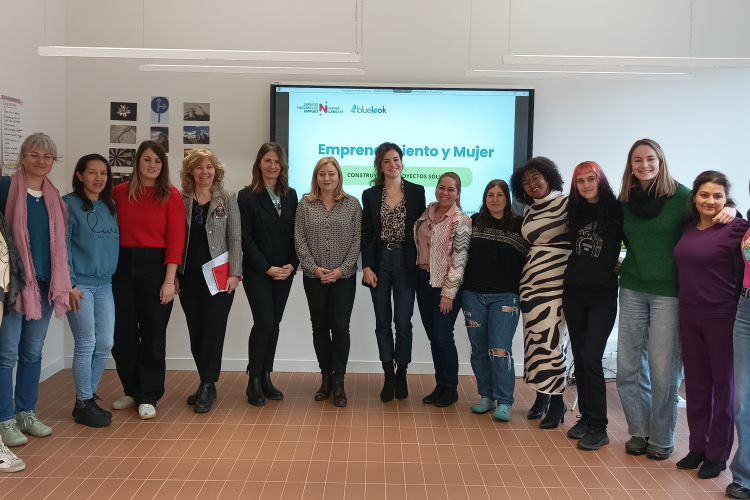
[590, 294]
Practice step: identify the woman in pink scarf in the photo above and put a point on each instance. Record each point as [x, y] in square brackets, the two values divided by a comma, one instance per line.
[37, 217]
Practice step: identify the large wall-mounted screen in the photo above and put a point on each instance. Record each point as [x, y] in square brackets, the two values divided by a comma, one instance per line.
[481, 134]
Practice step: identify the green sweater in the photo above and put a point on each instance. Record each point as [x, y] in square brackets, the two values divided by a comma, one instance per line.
[649, 265]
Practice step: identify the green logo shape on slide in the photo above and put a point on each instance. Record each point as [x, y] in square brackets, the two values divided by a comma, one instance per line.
[425, 176]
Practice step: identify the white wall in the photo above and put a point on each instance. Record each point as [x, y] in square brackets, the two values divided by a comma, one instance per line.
[702, 124]
[40, 84]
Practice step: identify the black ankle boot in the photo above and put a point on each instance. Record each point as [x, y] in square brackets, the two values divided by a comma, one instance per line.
[447, 397]
[389, 382]
[432, 397]
[339, 396]
[325, 387]
[254, 392]
[87, 414]
[206, 396]
[692, 460]
[539, 407]
[402, 388]
[194, 396]
[555, 414]
[269, 391]
[711, 469]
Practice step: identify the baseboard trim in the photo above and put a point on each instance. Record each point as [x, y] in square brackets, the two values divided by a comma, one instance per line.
[311, 366]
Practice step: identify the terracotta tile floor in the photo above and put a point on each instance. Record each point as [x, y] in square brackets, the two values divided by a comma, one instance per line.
[299, 448]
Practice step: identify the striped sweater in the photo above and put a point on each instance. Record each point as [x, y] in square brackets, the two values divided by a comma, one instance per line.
[449, 250]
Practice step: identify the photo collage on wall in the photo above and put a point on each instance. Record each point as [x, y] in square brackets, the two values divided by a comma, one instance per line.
[124, 137]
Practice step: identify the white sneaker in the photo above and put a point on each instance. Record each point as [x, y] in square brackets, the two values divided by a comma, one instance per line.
[146, 412]
[29, 423]
[9, 462]
[123, 403]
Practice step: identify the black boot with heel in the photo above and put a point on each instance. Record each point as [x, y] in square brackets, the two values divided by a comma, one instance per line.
[539, 407]
[555, 414]
[389, 382]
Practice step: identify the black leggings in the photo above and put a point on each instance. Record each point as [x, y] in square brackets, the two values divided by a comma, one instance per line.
[590, 322]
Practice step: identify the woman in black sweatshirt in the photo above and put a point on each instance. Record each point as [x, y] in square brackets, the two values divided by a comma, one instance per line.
[590, 294]
[491, 303]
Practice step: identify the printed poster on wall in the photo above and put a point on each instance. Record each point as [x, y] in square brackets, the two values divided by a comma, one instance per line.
[12, 132]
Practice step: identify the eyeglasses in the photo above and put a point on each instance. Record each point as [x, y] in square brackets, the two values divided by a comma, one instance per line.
[534, 179]
[199, 214]
[36, 157]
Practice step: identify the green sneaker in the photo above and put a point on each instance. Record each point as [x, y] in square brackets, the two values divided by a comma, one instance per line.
[503, 413]
[485, 405]
[10, 434]
[29, 423]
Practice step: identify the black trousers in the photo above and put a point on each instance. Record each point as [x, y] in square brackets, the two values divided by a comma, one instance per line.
[590, 322]
[331, 307]
[141, 320]
[206, 317]
[439, 328]
[267, 298]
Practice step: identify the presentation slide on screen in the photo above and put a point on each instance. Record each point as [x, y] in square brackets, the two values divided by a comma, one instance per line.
[469, 132]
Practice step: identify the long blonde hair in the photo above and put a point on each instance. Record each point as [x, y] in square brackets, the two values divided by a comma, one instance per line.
[663, 185]
[193, 161]
[315, 194]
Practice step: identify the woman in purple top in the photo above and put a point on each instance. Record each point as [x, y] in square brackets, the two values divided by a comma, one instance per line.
[709, 265]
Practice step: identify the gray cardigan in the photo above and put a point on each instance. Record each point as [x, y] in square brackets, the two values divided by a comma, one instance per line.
[223, 228]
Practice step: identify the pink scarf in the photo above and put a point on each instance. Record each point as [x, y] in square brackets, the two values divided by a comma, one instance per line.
[29, 302]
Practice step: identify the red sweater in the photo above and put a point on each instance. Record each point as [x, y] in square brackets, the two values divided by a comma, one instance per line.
[146, 223]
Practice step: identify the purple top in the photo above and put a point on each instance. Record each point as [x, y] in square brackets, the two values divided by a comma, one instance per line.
[710, 267]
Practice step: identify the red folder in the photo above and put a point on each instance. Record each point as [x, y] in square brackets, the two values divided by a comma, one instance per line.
[221, 275]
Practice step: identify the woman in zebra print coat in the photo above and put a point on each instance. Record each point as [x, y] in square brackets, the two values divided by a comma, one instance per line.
[538, 184]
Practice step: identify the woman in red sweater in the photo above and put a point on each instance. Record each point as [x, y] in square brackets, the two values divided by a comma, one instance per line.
[151, 215]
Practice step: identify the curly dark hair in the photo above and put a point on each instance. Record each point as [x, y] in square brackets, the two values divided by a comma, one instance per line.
[545, 167]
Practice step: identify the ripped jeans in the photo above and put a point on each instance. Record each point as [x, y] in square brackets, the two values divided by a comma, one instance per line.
[491, 320]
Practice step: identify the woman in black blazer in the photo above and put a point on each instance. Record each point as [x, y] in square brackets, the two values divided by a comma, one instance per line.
[269, 261]
[389, 261]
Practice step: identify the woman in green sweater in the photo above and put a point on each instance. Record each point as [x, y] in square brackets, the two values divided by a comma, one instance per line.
[649, 354]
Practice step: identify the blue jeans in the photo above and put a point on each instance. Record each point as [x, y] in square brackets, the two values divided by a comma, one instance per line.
[392, 276]
[439, 328]
[740, 466]
[93, 328]
[649, 366]
[491, 320]
[21, 341]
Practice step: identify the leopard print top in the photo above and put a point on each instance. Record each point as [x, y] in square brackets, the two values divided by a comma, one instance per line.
[393, 220]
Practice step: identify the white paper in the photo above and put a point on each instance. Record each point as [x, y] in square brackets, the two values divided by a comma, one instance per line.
[12, 133]
[208, 272]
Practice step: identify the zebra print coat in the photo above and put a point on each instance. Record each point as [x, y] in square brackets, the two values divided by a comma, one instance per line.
[545, 228]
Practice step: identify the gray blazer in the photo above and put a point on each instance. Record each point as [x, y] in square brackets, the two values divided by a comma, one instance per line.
[223, 227]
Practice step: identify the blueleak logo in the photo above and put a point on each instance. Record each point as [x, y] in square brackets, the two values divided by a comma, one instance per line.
[369, 110]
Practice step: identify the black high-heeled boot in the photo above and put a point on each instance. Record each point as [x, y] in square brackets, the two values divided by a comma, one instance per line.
[389, 382]
[255, 393]
[539, 407]
[555, 414]
[402, 388]
[269, 390]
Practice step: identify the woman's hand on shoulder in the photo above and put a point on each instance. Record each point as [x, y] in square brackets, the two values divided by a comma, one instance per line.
[726, 215]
